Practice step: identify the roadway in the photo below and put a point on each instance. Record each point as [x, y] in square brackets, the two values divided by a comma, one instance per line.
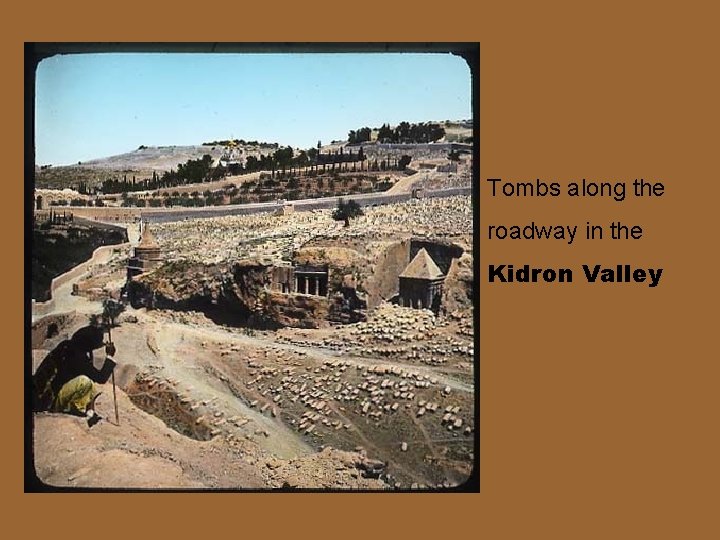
[163, 215]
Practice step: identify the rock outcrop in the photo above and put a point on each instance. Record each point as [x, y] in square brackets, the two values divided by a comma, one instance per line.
[458, 288]
[236, 294]
[227, 293]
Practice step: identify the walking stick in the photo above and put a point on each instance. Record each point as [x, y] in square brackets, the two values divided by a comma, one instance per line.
[117, 417]
[112, 375]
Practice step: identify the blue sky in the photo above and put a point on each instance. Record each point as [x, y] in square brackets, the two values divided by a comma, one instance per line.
[96, 105]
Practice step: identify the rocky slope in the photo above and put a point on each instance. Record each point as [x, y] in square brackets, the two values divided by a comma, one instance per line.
[237, 294]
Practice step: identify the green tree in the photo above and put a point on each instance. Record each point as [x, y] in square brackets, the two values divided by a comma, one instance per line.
[402, 132]
[363, 134]
[302, 159]
[283, 157]
[346, 210]
[385, 134]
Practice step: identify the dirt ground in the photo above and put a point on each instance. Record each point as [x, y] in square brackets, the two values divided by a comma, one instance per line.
[205, 406]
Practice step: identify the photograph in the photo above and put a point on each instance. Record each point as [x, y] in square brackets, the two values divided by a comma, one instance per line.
[252, 267]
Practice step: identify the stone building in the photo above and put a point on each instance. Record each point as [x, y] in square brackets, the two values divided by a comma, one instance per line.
[300, 279]
[421, 283]
[147, 254]
[311, 279]
[232, 155]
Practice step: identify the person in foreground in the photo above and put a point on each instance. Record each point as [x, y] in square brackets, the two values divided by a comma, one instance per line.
[64, 381]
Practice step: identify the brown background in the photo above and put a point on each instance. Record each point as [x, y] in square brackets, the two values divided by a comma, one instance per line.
[599, 403]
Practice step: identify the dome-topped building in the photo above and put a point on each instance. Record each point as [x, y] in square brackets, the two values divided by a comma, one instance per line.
[147, 254]
[232, 155]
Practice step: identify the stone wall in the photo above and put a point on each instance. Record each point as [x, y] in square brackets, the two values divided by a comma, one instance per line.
[42, 309]
[100, 256]
[297, 310]
[106, 214]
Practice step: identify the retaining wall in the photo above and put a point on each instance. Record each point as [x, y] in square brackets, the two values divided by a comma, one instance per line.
[101, 255]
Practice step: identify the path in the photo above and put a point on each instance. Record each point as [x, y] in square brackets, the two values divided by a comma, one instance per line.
[63, 300]
[406, 184]
[323, 354]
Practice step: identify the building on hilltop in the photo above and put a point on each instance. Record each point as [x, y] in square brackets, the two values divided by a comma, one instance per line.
[232, 155]
[421, 283]
[147, 254]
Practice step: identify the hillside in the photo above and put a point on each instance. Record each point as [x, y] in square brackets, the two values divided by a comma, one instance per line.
[141, 163]
[146, 159]
[158, 158]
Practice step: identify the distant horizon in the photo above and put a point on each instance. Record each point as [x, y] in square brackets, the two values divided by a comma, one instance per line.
[94, 106]
[279, 143]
